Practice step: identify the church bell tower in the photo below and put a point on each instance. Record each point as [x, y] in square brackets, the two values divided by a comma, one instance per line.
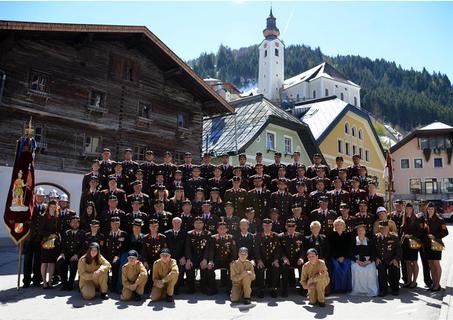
[271, 62]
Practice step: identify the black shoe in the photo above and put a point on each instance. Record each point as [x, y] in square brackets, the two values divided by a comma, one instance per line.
[435, 290]
[395, 293]
[321, 304]
[170, 299]
[104, 296]
[247, 301]
[285, 293]
[138, 297]
[26, 285]
[274, 293]
[261, 294]
[382, 294]
[64, 288]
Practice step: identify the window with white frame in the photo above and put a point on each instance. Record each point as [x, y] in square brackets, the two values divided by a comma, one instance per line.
[97, 99]
[367, 155]
[347, 149]
[346, 128]
[139, 152]
[418, 163]
[327, 92]
[91, 145]
[342, 96]
[404, 163]
[354, 150]
[355, 101]
[270, 141]
[39, 81]
[360, 134]
[354, 131]
[340, 146]
[361, 153]
[288, 145]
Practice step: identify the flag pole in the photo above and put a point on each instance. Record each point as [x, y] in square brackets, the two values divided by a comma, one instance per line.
[19, 264]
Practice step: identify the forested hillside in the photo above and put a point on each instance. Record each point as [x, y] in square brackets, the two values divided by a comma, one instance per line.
[405, 98]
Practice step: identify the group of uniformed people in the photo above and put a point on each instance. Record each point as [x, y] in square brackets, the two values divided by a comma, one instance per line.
[151, 227]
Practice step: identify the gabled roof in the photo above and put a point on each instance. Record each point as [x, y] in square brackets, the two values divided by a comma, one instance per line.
[323, 70]
[253, 114]
[136, 36]
[432, 129]
[436, 126]
[322, 115]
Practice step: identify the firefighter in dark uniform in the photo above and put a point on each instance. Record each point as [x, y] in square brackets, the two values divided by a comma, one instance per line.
[95, 235]
[65, 213]
[130, 167]
[349, 220]
[222, 252]
[335, 172]
[135, 213]
[278, 225]
[388, 256]
[197, 254]
[93, 173]
[247, 170]
[207, 168]
[345, 183]
[210, 220]
[321, 175]
[363, 217]
[353, 170]
[374, 200]
[194, 183]
[149, 168]
[230, 219]
[237, 172]
[245, 239]
[292, 254]
[291, 169]
[137, 185]
[153, 243]
[72, 249]
[300, 177]
[301, 220]
[217, 181]
[167, 167]
[227, 169]
[282, 199]
[356, 195]
[162, 216]
[320, 191]
[32, 244]
[259, 198]
[91, 194]
[186, 216]
[122, 180]
[111, 211]
[105, 168]
[267, 255]
[259, 171]
[273, 168]
[325, 216]
[237, 196]
[186, 167]
[338, 195]
[115, 245]
[301, 197]
[317, 162]
[113, 190]
[255, 224]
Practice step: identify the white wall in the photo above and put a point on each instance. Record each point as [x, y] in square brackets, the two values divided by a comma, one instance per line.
[271, 69]
[68, 181]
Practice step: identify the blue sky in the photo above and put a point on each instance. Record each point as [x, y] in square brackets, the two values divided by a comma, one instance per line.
[414, 34]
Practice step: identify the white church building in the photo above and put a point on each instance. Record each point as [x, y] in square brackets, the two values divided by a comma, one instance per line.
[321, 81]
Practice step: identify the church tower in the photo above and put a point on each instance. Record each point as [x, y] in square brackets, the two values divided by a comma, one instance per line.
[271, 62]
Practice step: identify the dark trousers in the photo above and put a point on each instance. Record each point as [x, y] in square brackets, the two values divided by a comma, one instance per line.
[270, 273]
[225, 280]
[182, 272]
[403, 271]
[115, 275]
[388, 275]
[426, 270]
[32, 262]
[288, 276]
[190, 277]
[63, 266]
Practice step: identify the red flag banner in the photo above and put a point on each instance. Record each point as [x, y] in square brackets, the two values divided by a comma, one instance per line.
[19, 203]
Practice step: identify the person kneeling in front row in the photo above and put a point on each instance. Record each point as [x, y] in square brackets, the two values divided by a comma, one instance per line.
[315, 278]
[134, 276]
[242, 273]
[165, 276]
[93, 273]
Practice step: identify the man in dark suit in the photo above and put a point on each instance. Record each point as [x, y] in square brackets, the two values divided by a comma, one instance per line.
[176, 239]
[357, 195]
[207, 168]
[338, 196]
[87, 177]
[246, 239]
[105, 168]
[281, 199]
[130, 167]
[317, 162]
[149, 168]
[374, 200]
[300, 177]
[186, 167]
[336, 171]
[325, 216]
[353, 170]
[272, 169]
[291, 169]
[138, 194]
[217, 181]
[259, 171]
[227, 169]
[167, 167]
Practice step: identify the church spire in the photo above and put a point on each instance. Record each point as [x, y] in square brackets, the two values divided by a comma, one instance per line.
[271, 31]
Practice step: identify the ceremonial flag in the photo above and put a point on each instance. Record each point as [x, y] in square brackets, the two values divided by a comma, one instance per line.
[19, 203]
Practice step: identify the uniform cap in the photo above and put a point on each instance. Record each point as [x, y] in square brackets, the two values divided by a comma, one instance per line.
[115, 219]
[132, 253]
[165, 251]
[267, 221]
[137, 222]
[94, 222]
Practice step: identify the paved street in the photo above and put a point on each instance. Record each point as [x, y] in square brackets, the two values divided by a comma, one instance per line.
[36, 304]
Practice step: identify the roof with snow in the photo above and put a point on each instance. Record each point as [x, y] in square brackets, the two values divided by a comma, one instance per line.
[323, 70]
[322, 115]
[224, 134]
[436, 126]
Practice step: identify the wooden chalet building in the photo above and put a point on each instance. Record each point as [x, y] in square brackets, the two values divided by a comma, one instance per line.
[93, 86]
